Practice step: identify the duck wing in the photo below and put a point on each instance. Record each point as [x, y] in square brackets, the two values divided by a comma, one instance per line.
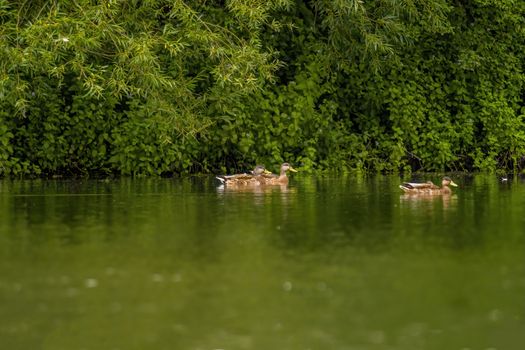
[235, 177]
[419, 185]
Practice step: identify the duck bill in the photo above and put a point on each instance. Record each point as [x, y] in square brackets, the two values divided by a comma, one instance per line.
[266, 171]
[292, 169]
[452, 183]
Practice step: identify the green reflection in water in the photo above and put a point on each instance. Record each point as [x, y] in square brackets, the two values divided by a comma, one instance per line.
[332, 263]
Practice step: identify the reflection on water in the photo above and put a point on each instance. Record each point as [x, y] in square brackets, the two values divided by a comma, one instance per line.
[323, 263]
[260, 194]
[431, 202]
[254, 189]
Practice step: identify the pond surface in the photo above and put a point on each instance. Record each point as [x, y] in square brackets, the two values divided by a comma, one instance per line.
[333, 263]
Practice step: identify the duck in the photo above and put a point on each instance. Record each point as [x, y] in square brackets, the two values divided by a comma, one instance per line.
[252, 178]
[267, 178]
[428, 188]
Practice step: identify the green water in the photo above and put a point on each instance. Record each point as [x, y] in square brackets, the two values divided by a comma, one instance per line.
[333, 263]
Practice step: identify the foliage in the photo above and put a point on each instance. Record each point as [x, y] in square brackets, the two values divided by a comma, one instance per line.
[92, 67]
[161, 87]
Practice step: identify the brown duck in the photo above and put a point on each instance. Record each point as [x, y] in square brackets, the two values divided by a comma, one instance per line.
[428, 188]
[281, 179]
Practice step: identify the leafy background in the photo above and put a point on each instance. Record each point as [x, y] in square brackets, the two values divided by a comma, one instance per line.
[174, 87]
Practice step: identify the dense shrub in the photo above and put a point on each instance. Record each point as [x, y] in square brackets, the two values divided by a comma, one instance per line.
[164, 87]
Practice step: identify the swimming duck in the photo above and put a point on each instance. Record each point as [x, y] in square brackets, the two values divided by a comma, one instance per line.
[428, 188]
[273, 179]
[253, 178]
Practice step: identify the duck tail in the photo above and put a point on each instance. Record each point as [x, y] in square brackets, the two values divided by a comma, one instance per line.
[404, 188]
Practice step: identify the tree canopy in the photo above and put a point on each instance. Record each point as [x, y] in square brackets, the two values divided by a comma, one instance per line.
[158, 87]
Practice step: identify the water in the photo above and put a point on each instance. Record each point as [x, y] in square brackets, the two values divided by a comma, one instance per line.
[332, 263]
